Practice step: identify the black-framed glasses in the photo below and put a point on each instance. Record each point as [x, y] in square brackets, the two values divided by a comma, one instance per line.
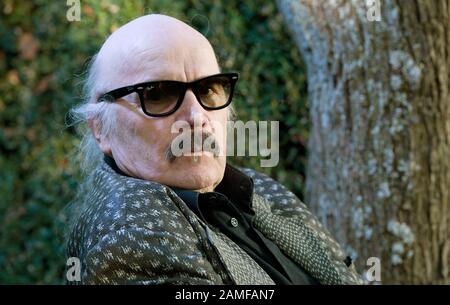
[162, 98]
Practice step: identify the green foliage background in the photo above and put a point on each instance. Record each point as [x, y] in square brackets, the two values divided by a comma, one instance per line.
[42, 57]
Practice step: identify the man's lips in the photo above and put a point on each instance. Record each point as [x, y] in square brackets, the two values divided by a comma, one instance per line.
[197, 147]
[189, 145]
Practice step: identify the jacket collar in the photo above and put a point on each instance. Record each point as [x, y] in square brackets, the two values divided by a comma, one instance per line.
[236, 185]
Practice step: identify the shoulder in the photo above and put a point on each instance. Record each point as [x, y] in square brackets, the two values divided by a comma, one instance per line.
[273, 191]
[273, 198]
[127, 201]
[116, 203]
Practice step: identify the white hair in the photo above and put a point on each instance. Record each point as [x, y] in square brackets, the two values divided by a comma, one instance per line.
[88, 153]
[91, 110]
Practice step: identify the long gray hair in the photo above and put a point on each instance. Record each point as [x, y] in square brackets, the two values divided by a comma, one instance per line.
[87, 153]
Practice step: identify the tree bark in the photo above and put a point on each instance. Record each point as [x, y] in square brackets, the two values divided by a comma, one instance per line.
[379, 148]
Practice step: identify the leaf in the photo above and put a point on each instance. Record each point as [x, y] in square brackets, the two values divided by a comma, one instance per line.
[28, 46]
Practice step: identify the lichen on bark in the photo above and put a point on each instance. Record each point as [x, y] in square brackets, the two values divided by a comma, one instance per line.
[380, 135]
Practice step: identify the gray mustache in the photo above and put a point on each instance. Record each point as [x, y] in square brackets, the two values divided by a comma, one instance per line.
[213, 147]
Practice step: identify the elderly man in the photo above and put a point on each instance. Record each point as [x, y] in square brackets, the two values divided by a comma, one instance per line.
[147, 216]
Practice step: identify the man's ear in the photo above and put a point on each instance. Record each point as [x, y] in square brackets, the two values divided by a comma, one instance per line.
[102, 141]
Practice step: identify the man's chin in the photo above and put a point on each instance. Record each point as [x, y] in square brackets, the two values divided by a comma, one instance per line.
[199, 171]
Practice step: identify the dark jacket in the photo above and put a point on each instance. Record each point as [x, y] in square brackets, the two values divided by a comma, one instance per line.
[134, 231]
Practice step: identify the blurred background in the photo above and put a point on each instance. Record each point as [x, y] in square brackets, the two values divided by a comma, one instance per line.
[42, 61]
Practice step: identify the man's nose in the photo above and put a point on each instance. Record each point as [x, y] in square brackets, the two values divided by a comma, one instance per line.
[191, 111]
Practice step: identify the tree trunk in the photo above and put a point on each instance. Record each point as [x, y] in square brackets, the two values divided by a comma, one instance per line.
[379, 148]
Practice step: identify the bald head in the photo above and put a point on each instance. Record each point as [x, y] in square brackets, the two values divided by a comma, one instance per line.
[154, 47]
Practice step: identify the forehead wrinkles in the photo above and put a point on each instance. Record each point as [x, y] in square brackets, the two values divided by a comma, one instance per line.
[182, 63]
[142, 53]
[118, 64]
